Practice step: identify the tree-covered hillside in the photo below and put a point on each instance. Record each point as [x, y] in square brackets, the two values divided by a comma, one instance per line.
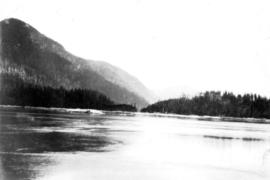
[41, 61]
[13, 91]
[216, 104]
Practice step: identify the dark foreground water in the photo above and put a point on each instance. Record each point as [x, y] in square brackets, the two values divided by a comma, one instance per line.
[120, 146]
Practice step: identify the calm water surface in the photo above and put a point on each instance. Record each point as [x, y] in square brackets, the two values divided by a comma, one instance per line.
[120, 146]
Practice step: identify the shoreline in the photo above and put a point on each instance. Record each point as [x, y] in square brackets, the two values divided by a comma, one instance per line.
[155, 114]
[54, 109]
[210, 118]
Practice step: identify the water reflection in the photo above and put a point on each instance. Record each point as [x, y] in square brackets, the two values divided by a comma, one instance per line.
[28, 139]
[23, 167]
[49, 146]
[38, 133]
[233, 138]
[31, 142]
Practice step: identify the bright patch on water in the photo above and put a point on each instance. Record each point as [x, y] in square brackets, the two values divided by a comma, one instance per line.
[101, 146]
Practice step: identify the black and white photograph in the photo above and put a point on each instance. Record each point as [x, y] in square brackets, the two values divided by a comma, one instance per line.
[134, 90]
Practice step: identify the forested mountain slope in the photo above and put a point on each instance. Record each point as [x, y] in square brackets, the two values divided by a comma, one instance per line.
[39, 60]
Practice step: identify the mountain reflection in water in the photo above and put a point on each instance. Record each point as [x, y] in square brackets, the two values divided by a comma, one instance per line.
[114, 145]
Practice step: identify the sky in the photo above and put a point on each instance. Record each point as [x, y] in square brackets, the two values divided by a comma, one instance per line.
[172, 46]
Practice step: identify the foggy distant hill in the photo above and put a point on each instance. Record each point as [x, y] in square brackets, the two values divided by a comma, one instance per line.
[37, 59]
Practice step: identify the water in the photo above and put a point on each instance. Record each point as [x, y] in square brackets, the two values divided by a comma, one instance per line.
[120, 146]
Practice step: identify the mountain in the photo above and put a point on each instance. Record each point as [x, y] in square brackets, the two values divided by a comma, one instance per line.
[122, 78]
[37, 59]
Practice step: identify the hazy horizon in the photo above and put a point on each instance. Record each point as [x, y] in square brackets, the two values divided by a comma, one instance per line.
[169, 46]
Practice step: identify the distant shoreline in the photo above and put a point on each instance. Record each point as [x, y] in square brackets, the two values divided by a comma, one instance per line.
[210, 118]
[170, 115]
[52, 109]
[216, 103]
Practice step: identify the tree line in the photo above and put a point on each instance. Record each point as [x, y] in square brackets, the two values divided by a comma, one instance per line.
[215, 103]
[13, 91]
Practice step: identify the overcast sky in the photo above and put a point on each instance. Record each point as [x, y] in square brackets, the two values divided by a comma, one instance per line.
[167, 44]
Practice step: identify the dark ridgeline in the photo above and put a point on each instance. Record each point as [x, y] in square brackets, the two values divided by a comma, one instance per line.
[14, 91]
[215, 104]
